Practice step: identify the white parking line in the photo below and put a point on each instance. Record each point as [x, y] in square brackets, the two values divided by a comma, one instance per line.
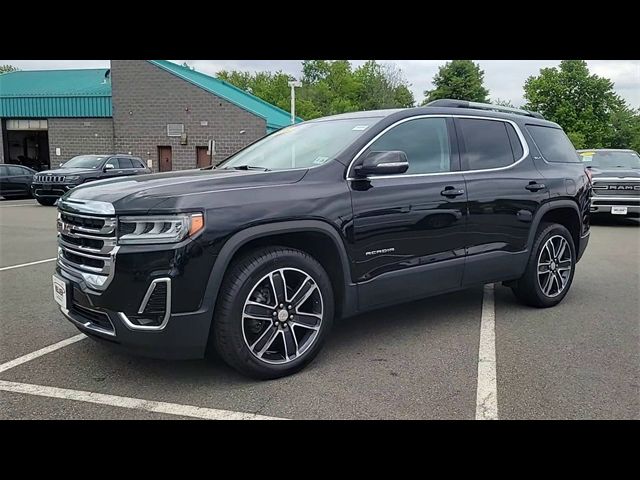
[38, 353]
[19, 205]
[27, 264]
[131, 403]
[487, 392]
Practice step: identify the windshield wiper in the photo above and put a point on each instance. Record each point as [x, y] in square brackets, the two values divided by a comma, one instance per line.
[250, 167]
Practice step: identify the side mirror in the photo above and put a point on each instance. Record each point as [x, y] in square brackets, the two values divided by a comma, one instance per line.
[383, 163]
[108, 166]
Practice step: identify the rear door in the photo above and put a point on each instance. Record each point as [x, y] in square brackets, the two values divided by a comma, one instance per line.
[504, 191]
[409, 229]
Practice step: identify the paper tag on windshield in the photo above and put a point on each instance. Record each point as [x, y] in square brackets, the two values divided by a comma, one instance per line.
[320, 160]
[360, 127]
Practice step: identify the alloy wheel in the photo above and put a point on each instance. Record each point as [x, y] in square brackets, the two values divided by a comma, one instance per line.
[282, 316]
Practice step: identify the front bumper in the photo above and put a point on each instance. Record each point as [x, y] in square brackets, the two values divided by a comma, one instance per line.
[603, 204]
[50, 190]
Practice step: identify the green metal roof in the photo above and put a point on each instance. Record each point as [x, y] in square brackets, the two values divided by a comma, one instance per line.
[276, 117]
[85, 93]
[55, 93]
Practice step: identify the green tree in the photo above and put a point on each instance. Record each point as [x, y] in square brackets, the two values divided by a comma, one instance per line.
[459, 80]
[329, 87]
[503, 103]
[585, 105]
[7, 69]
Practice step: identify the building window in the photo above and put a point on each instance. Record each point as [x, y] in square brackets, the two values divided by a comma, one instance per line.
[175, 129]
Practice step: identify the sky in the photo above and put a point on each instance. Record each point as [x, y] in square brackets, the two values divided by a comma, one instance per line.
[503, 78]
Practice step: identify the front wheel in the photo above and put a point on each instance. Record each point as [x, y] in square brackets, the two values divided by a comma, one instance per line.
[275, 310]
[550, 269]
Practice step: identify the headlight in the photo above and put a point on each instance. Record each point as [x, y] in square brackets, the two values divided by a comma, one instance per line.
[72, 178]
[158, 228]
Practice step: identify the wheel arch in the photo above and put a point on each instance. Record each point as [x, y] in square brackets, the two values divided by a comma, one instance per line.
[296, 234]
[564, 212]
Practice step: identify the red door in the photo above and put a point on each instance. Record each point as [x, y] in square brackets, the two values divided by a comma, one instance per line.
[203, 159]
[164, 159]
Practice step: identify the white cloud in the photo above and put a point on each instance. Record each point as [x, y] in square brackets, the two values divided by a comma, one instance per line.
[503, 78]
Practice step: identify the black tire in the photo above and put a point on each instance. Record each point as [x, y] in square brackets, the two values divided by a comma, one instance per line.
[528, 289]
[245, 274]
[47, 202]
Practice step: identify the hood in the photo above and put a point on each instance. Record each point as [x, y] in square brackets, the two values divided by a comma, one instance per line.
[140, 193]
[69, 171]
[615, 172]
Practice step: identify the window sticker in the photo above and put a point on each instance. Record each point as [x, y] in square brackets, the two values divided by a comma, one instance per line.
[587, 158]
[360, 127]
[320, 160]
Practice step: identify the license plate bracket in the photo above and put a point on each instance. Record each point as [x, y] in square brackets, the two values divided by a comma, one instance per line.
[618, 210]
[60, 291]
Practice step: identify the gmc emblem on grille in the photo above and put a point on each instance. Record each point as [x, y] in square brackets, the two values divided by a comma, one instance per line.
[624, 187]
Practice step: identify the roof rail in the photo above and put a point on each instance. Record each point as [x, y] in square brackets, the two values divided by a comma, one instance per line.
[445, 102]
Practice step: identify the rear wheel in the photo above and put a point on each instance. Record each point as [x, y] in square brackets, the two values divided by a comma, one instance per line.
[46, 201]
[275, 310]
[550, 269]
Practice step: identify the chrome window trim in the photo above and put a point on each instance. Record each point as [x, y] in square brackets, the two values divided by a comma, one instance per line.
[523, 142]
[167, 311]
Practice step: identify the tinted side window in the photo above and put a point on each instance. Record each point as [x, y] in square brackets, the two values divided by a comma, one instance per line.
[487, 144]
[14, 171]
[137, 163]
[424, 140]
[125, 163]
[553, 143]
[112, 161]
[4, 170]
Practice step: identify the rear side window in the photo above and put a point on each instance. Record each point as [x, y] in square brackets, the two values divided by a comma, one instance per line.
[125, 163]
[487, 144]
[4, 170]
[553, 143]
[137, 163]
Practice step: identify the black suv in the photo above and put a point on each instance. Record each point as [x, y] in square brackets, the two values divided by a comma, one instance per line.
[49, 185]
[322, 220]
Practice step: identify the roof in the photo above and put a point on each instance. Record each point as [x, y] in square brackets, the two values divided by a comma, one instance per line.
[274, 116]
[55, 93]
[85, 93]
[360, 114]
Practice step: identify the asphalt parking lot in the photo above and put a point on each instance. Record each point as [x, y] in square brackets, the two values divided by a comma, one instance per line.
[579, 360]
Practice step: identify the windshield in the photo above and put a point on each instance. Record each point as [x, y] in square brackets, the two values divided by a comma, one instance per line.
[605, 159]
[84, 161]
[300, 146]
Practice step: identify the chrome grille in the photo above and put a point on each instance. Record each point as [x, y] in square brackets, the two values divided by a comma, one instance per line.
[87, 247]
[614, 188]
[49, 178]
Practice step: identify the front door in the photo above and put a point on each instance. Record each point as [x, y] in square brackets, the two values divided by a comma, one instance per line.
[203, 159]
[409, 229]
[164, 159]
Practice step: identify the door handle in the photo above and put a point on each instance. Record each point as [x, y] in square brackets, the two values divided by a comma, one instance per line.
[534, 186]
[451, 192]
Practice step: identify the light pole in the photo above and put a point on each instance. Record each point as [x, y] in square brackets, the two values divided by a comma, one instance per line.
[293, 86]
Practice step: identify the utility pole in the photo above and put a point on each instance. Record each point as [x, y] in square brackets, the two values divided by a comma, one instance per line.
[293, 86]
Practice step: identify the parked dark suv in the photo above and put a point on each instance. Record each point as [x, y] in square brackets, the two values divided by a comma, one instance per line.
[49, 185]
[322, 220]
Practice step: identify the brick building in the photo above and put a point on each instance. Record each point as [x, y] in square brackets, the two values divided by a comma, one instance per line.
[162, 112]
